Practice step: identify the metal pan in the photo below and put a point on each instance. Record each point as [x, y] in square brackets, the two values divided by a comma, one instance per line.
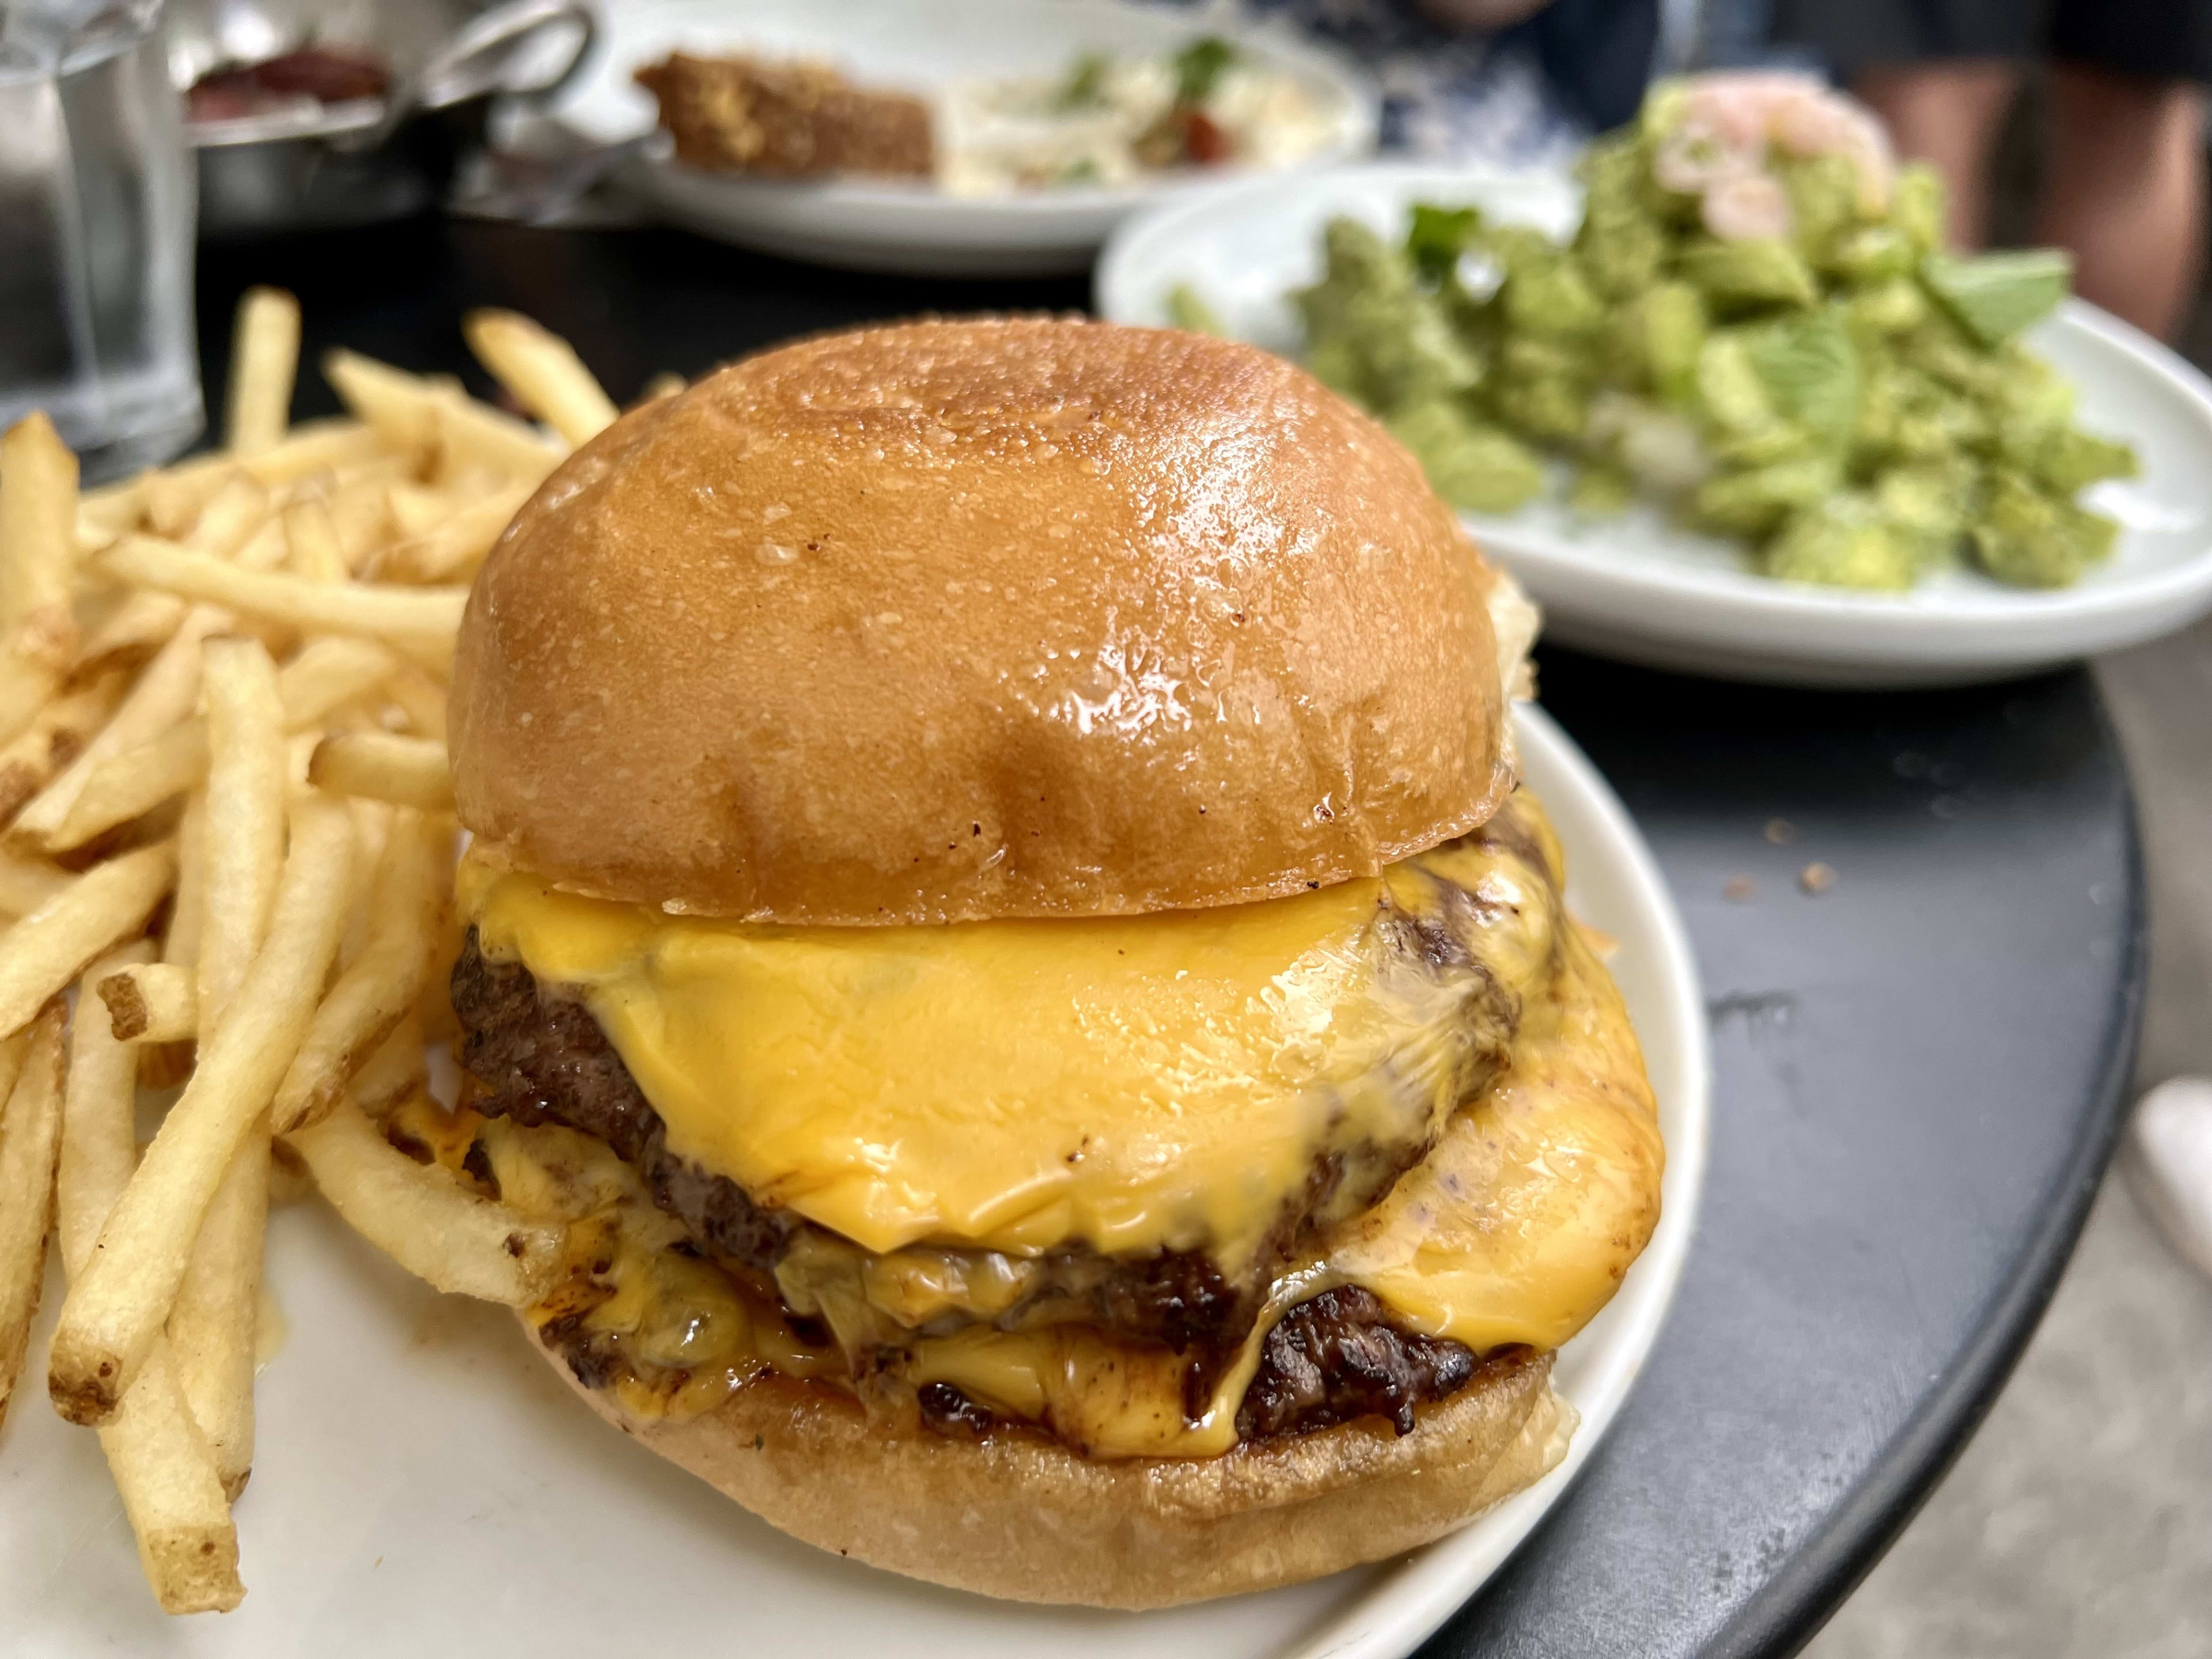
[321, 165]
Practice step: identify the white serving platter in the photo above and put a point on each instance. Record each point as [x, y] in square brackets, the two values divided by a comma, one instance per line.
[913, 229]
[423, 1484]
[1641, 588]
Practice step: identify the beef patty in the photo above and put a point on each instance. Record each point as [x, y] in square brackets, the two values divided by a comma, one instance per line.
[538, 1056]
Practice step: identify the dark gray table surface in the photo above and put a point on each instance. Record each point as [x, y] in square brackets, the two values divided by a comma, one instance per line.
[1918, 1074]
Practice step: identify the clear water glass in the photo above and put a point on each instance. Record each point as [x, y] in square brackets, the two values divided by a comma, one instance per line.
[96, 223]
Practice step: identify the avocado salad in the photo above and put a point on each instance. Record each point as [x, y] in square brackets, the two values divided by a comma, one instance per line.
[1756, 326]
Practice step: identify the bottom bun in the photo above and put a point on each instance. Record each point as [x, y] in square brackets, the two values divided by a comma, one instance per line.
[1019, 1516]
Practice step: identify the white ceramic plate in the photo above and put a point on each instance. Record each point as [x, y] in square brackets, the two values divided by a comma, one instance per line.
[425, 1485]
[914, 229]
[1637, 587]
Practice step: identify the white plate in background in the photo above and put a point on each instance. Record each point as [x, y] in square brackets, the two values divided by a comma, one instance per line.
[1640, 588]
[424, 1484]
[912, 227]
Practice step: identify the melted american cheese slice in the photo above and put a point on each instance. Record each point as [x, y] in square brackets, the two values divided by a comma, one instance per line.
[901, 1085]
[1132, 1083]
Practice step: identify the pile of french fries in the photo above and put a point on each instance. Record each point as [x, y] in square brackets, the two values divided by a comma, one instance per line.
[228, 848]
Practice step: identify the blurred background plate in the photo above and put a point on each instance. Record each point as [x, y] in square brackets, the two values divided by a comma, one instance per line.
[1639, 588]
[424, 1484]
[912, 227]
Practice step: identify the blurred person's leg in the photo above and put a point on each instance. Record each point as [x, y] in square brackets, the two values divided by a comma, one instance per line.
[1939, 73]
[1946, 114]
[2124, 188]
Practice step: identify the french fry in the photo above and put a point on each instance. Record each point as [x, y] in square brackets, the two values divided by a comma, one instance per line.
[26, 883]
[312, 548]
[264, 359]
[424, 1220]
[174, 499]
[163, 695]
[224, 529]
[542, 371]
[115, 1312]
[38, 559]
[329, 674]
[133, 782]
[163, 1470]
[38, 542]
[245, 847]
[371, 836]
[376, 991]
[130, 634]
[400, 406]
[455, 547]
[25, 686]
[470, 435]
[422, 700]
[210, 1324]
[384, 766]
[326, 673]
[211, 1327]
[416, 508]
[112, 508]
[362, 515]
[667, 384]
[57, 735]
[150, 1002]
[320, 446]
[424, 619]
[180, 945]
[394, 1070]
[30, 1140]
[110, 902]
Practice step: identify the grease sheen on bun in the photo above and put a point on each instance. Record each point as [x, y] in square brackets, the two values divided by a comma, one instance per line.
[961, 620]
[1022, 1518]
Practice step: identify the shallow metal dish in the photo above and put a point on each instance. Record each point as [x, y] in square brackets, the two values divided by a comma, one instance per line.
[318, 166]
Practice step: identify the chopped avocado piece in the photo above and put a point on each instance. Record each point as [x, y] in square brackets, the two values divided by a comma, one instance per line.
[2068, 461]
[1551, 299]
[1731, 393]
[1377, 335]
[1872, 254]
[2025, 397]
[1551, 407]
[1782, 440]
[1927, 504]
[1438, 236]
[1198, 66]
[1761, 272]
[1884, 308]
[1186, 310]
[1840, 392]
[1916, 203]
[1810, 370]
[1845, 541]
[1823, 201]
[2032, 539]
[1662, 333]
[1602, 490]
[1753, 501]
[1469, 463]
[1995, 295]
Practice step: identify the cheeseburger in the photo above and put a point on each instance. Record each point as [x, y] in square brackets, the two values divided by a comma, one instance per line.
[1000, 909]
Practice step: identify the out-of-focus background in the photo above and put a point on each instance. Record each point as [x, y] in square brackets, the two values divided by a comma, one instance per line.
[2078, 1522]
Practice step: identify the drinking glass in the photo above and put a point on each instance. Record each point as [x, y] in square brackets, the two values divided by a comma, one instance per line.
[96, 216]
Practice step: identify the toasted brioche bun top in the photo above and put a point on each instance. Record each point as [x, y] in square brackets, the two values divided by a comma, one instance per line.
[961, 620]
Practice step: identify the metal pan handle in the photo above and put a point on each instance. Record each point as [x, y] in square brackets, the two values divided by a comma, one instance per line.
[479, 58]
